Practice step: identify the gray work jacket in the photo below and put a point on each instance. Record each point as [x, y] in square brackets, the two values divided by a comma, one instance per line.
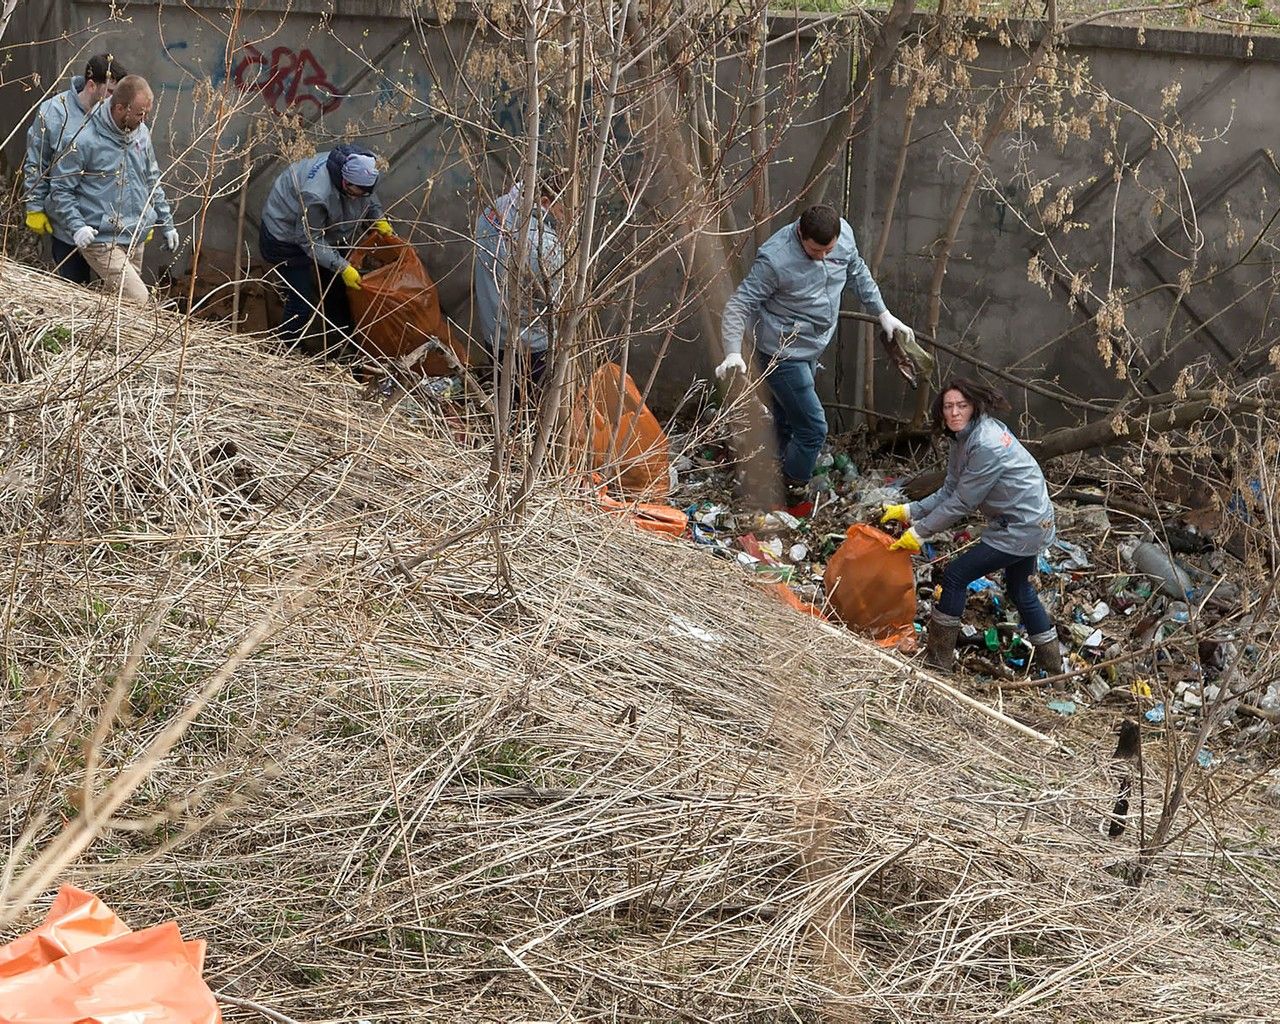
[109, 180]
[989, 471]
[56, 125]
[307, 209]
[542, 280]
[794, 301]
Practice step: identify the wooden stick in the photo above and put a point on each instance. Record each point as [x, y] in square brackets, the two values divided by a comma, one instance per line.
[948, 690]
[249, 1004]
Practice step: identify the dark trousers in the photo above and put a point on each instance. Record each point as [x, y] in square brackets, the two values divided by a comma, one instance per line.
[316, 310]
[982, 560]
[798, 417]
[68, 263]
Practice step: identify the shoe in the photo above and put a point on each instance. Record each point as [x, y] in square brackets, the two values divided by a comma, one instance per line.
[940, 652]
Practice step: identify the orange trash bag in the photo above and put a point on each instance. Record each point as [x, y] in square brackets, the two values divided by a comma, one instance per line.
[397, 308]
[870, 588]
[636, 451]
[84, 966]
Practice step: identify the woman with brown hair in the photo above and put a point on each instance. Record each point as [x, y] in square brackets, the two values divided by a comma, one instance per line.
[988, 471]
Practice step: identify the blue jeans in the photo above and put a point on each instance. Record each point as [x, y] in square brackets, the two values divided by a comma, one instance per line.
[982, 560]
[68, 262]
[798, 416]
[305, 282]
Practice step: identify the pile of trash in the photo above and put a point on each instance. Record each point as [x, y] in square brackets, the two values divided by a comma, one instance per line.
[1137, 621]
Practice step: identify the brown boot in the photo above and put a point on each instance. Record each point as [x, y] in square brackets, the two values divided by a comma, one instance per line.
[940, 652]
[1048, 652]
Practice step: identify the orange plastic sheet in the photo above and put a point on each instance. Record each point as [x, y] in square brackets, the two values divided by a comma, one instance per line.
[788, 597]
[872, 589]
[397, 308]
[632, 445]
[660, 519]
[84, 966]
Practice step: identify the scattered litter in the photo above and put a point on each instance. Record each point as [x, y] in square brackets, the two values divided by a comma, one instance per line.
[1152, 560]
[1155, 715]
[1062, 705]
[1204, 759]
[1077, 558]
[680, 625]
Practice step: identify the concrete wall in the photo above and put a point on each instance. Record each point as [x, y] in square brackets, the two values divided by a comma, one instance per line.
[312, 67]
[1227, 86]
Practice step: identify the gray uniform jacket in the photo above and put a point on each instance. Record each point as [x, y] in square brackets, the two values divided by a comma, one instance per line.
[305, 208]
[542, 280]
[989, 471]
[794, 301]
[109, 180]
[56, 125]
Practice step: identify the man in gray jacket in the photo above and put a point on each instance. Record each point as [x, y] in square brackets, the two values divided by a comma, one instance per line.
[56, 127]
[317, 209]
[792, 299]
[105, 196]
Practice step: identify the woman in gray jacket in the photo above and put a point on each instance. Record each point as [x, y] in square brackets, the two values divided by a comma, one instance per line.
[990, 472]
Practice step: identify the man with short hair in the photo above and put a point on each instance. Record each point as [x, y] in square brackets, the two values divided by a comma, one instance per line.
[56, 127]
[542, 280]
[791, 298]
[106, 197]
[317, 209]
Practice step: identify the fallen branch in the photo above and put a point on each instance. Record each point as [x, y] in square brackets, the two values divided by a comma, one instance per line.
[249, 1004]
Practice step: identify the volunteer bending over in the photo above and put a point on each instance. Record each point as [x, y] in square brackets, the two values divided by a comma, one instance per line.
[988, 471]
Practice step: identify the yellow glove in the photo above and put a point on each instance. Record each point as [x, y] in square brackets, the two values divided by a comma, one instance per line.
[908, 542]
[383, 226]
[38, 221]
[895, 514]
[150, 235]
[351, 277]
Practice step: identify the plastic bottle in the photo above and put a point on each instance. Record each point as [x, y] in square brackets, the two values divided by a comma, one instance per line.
[1154, 561]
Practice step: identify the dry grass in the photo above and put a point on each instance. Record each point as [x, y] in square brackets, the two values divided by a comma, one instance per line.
[560, 771]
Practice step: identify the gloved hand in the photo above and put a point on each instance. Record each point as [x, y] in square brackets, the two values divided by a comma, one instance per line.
[731, 363]
[351, 277]
[383, 226]
[896, 514]
[172, 239]
[890, 323]
[908, 542]
[38, 221]
[150, 235]
[84, 237]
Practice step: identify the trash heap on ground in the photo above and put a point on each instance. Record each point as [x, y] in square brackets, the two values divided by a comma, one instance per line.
[1151, 622]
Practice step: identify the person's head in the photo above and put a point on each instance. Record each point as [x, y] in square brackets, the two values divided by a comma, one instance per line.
[962, 401]
[101, 74]
[359, 175]
[551, 192]
[131, 102]
[819, 231]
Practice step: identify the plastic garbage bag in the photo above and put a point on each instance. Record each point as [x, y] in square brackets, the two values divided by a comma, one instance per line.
[870, 588]
[632, 448]
[84, 966]
[397, 308]
[75, 921]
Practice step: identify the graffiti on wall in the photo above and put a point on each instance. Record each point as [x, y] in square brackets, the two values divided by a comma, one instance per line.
[289, 81]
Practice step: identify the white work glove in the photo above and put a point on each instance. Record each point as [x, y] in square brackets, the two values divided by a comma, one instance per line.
[172, 239]
[84, 237]
[731, 363]
[890, 323]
